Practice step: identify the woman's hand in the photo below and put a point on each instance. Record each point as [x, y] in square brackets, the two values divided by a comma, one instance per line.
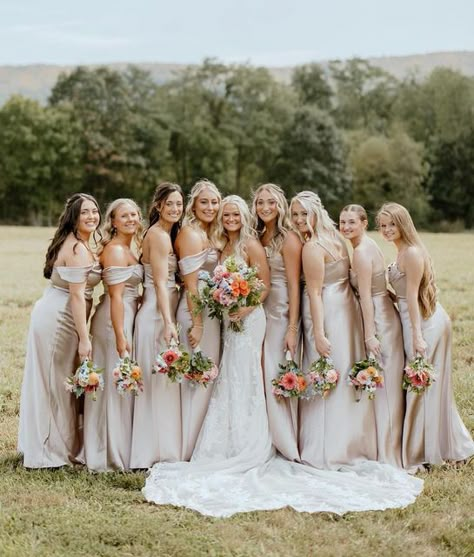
[85, 349]
[323, 346]
[374, 347]
[240, 314]
[195, 335]
[419, 345]
[170, 333]
[122, 347]
[291, 342]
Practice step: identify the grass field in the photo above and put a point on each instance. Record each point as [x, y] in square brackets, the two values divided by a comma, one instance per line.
[71, 512]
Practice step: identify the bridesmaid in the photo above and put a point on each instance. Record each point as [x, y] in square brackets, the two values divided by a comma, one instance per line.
[108, 420]
[433, 431]
[382, 329]
[196, 250]
[58, 339]
[282, 308]
[156, 432]
[334, 431]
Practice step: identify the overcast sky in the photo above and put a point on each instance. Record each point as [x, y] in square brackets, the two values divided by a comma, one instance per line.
[268, 32]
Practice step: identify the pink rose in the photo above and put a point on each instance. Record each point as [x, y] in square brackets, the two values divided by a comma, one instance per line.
[362, 377]
[289, 381]
[332, 376]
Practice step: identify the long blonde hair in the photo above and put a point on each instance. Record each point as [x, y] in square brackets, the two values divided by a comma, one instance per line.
[190, 218]
[427, 292]
[246, 231]
[108, 230]
[283, 224]
[324, 227]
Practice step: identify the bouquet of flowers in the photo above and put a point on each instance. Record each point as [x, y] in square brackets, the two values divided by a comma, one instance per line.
[232, 285]
[203, 370]
[128, 376]
[173, 362]
[87, 378]
[322, 377]
[366, 375]
[290, 382]
[418, 375]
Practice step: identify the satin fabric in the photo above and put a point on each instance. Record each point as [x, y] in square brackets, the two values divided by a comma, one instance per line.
[433, 431]
[282, 414]
[336, 430]
[156, 432]
[194, 401]
[49, 434]
[108, 420]
[389, 402]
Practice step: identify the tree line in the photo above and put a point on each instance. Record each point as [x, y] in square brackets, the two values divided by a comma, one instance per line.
[351, 132]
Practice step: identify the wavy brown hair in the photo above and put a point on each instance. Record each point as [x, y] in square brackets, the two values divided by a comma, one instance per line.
[427, 292]
[68, 222]
[162, 192]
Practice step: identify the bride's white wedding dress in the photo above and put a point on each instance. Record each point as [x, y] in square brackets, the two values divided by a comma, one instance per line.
[234, 467]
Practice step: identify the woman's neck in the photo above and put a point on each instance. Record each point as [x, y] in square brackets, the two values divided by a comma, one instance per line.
[357, 240]
[124, 239]
[165, 225]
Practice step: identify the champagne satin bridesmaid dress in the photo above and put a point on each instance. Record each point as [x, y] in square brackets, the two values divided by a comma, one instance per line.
[49, 434]
[156, 435]
[108, 420]
[433, 431]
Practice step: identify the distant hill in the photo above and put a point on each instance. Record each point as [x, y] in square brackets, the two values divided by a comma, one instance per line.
[36, 81]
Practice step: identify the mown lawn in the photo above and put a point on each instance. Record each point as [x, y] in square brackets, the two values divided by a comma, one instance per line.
[72, 512]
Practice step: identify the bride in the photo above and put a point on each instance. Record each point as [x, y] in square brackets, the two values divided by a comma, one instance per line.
[234, 467]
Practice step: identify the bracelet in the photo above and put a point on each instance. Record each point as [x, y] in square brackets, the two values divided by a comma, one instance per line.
[198, 326]
[373, 337]
[293, 328]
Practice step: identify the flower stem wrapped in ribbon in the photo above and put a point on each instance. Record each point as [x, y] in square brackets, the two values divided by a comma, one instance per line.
[232, 285]
[290, 382]
[366, 375]
[323, 377]
[87, 378]
[203, 371]
[128, 376]
[173, 362]
[418, 375]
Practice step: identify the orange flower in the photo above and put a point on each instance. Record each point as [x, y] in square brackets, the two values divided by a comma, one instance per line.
[93, 378]
[235, 288]
[244, 288]
[371, 371]
[301, 383]
[136, 373]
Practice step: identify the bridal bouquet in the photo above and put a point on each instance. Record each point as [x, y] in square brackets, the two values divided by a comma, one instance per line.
[203, 370]
[366, 375]
[128, 376]
[87, 378]
[418, 375]
[290, 382]
[232, 285]
[323, 377]
[173, 362]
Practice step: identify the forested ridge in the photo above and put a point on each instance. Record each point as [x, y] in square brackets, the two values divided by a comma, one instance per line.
[349, 131]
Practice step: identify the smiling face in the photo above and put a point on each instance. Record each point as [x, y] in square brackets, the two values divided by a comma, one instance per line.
[89, 217]
[231, 219]
[206, 206]
[126, 219]
[171, 209]
[266, 207]
[351, 225]
[301, 220]
[388, 228]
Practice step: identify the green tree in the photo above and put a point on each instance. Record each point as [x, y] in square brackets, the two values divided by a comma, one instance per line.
[312, 87]
[313, 156]
[40, 161]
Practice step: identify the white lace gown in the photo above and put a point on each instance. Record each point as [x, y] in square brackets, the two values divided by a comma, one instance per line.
[234, 468]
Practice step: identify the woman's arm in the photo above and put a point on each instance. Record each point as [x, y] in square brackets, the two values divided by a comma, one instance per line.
[159, 248]
[190, 243]
[291, 252]
[313, 269]
[115, 256]
[413, 263]
[363, 264]
[77, 255]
